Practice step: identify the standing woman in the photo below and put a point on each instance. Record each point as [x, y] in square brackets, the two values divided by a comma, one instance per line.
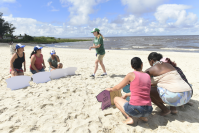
[100, 51]
[17, 60]
[37, 61]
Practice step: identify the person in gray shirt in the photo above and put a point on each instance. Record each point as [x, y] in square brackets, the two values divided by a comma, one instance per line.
[54, 61]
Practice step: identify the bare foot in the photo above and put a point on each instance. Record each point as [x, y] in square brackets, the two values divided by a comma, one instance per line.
[163, 113]
[144, 119]
[173, 110]
[129, 120]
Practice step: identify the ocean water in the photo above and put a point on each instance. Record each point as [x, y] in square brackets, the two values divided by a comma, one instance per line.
[181, 43]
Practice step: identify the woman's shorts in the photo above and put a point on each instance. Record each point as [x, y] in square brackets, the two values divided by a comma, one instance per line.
[137, 111]
[100, 57]
[174, 98]
[17, 70]
[34, 72]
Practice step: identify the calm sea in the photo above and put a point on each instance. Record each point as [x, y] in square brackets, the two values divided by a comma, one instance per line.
[181, 43]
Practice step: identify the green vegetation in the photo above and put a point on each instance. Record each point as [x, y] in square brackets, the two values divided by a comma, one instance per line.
[6, 29]
[40, 40]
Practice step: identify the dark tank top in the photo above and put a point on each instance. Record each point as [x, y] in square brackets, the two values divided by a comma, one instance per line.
[18, 62]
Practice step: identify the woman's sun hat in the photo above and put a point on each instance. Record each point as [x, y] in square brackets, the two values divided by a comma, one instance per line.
[37, 48]
[52, 52]
[95, 30]
[19, 46]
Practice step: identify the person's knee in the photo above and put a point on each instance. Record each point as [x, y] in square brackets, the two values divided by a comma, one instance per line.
[96, 62]
[101, 62]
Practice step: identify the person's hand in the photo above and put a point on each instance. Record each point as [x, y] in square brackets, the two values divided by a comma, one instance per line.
[90, 48]
[37, 71]
[109, 89]
[25, 69]
[124, 96]
[44, 66]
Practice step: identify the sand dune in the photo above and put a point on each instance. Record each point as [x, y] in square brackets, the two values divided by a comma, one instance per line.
[69, 104]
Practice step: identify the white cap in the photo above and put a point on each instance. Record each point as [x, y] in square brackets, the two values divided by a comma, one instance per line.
[52, 52]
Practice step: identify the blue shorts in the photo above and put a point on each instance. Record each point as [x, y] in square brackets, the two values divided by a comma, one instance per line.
[34, 72]
[174, 98]
[137, 111]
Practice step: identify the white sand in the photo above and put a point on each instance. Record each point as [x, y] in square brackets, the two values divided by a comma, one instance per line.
[70, 105]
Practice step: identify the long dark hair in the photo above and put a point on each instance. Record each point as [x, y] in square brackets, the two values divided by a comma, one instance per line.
[33, 52]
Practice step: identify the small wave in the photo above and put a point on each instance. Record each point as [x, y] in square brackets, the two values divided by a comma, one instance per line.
[137, 47]
[124, 48]
[180, 49]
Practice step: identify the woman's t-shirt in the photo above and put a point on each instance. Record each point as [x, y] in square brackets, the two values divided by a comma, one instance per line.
[101, 49]
[54, 61]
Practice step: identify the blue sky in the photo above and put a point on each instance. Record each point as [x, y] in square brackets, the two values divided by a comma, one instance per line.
[76, 18]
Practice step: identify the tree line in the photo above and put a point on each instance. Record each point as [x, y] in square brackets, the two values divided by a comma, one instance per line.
[6, 28]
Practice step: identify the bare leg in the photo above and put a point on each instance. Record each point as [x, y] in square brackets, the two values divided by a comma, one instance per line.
[21, 73]
[155, 98]
[102, 66]
[96, 66]
[13, 73]
[60, 65]
[119, 103]
[173, 110]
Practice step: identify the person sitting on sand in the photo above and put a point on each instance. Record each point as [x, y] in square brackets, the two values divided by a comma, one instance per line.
[17, 60]
[54, 61]
[140, 86]
[171, 89]
[100, 51]
[37, 61]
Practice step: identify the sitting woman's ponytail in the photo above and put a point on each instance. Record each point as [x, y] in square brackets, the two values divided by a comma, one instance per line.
[33, 52]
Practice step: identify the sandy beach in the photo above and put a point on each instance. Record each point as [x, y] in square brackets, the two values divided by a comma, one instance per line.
[69, 104]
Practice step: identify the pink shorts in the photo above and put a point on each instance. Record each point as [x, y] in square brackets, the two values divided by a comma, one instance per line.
[17, 70]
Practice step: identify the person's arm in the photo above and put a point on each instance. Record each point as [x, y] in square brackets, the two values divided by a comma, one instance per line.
[57, 58]
[123, 83]
[51, 65]
[24, 63]
[43, 64]
[33, 58]
[12, 60]
[94, 46]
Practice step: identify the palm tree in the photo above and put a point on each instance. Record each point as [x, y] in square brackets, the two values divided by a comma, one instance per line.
[11, 29]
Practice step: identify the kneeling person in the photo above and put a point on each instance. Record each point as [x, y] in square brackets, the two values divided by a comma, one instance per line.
[54, 61]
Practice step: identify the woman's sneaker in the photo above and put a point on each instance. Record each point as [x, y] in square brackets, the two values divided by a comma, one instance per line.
[104, 74]
[92, 76]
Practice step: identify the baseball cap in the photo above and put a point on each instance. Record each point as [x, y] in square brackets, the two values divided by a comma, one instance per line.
[19, 46]
[37, 48]
[95, 29]
[52, 52]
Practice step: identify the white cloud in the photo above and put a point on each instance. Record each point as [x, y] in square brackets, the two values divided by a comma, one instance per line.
[80, 10]
[49, 3]
[138, 7]
[7, 1]
[4, 10]
[176, 14]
